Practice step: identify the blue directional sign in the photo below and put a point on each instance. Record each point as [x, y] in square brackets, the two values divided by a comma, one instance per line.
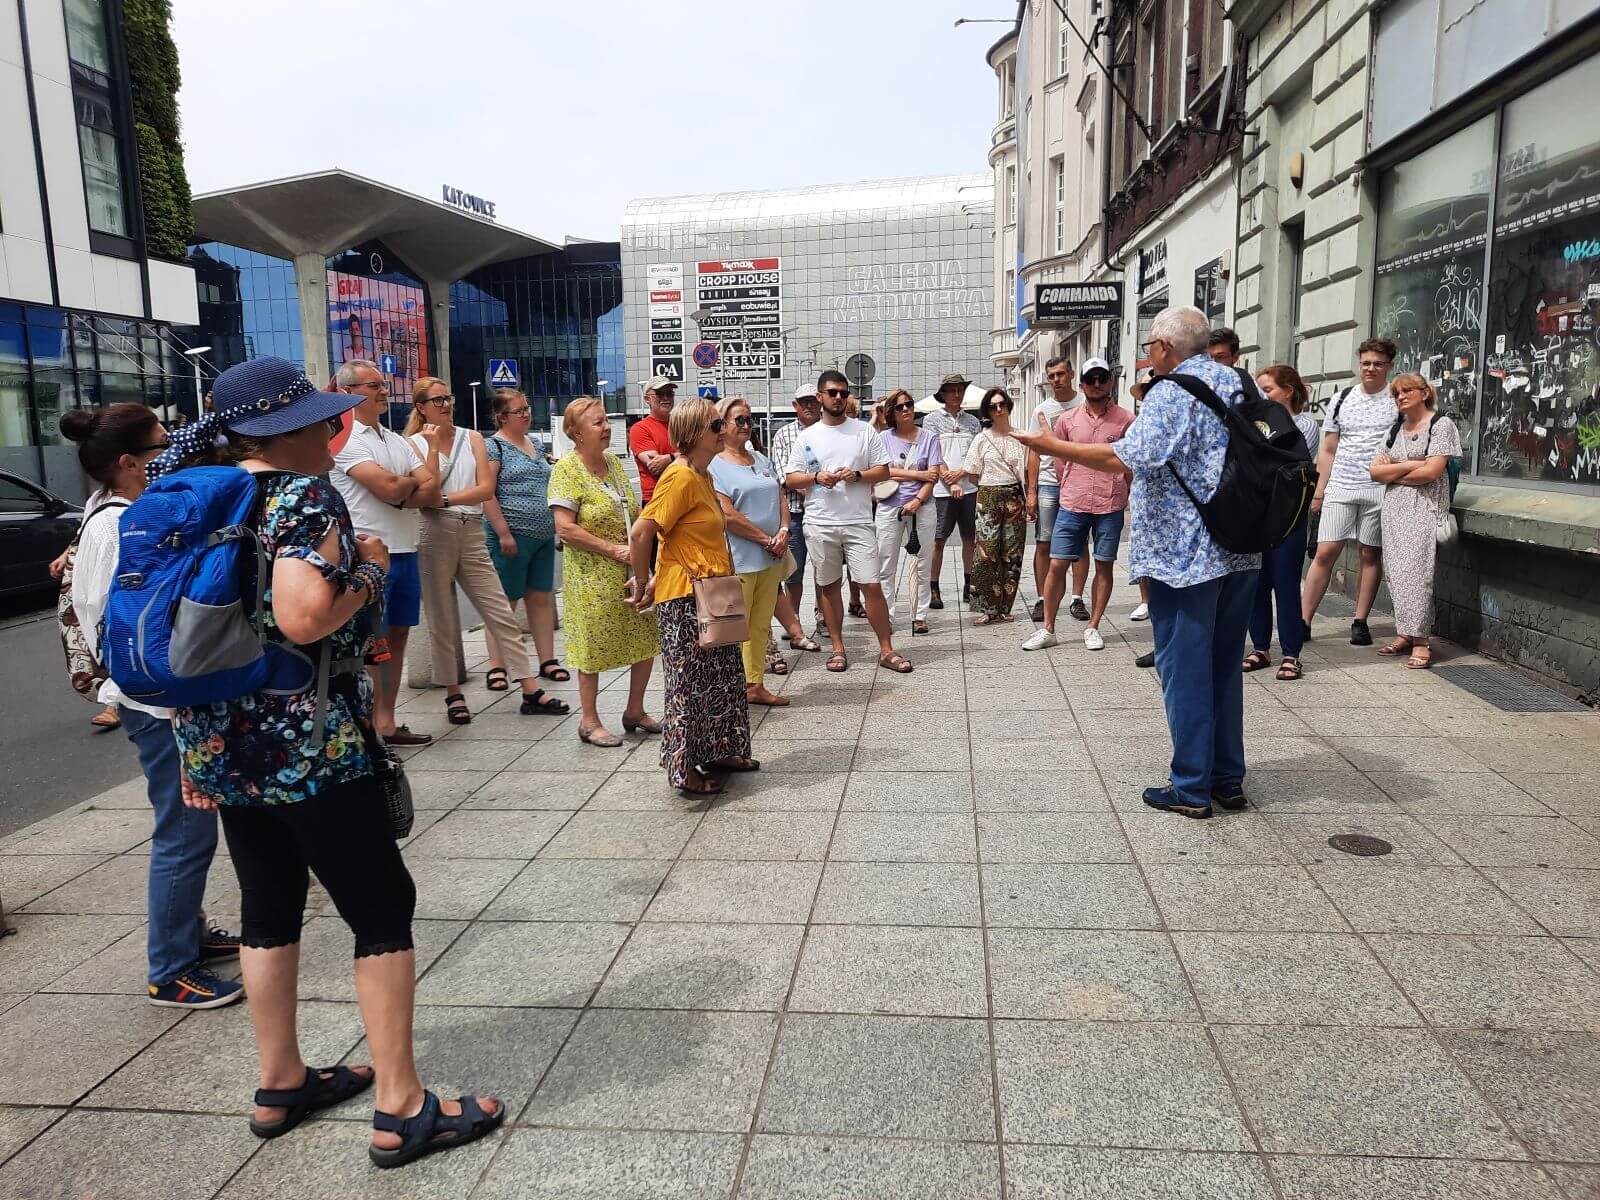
[503, 373]
[707, 391]
[387, 363]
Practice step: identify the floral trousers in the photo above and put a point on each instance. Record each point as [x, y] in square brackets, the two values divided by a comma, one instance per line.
[1002, 537]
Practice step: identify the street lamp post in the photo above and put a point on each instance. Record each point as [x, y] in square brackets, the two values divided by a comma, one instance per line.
[193, 354]
[475, 385]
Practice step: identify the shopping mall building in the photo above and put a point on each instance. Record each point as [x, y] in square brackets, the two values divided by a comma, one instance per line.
[887, 280]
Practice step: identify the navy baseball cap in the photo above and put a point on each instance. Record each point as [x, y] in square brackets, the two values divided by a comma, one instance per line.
[268, 396]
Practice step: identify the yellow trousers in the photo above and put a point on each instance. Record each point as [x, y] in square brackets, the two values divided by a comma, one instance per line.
[760, 600]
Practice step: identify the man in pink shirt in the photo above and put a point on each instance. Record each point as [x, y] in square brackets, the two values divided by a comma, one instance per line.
[1092, 504]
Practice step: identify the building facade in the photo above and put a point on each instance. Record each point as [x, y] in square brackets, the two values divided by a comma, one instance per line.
[886, 280]
[1427, 173]
[86, 305]
[422, 289]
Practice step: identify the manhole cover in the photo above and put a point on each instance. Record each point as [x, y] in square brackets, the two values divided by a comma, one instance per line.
[1362, 844]
[1507, 690]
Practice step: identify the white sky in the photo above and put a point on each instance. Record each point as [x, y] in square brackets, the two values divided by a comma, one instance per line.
[561, 111]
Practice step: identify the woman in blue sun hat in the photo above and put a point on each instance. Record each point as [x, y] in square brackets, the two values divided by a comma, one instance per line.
[295, 800]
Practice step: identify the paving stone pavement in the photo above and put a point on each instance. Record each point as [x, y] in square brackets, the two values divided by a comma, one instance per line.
[936, 948]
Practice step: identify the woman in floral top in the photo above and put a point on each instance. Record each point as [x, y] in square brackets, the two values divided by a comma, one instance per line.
[293, 803]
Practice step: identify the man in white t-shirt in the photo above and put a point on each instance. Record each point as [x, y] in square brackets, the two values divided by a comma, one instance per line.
[1349, 502]
[383, 483]
[834, 465]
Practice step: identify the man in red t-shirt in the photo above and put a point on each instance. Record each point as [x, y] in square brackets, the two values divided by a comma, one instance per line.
[647, 440]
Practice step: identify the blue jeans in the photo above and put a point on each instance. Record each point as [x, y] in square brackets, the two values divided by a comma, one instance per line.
[797, 547]
[1280, 577]
[1199, 634]
[181, 850]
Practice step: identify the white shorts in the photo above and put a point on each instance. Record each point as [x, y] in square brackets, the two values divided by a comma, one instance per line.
[1357, 516]
[832, 548]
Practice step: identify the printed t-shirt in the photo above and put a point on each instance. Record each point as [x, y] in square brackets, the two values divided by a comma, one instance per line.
[1362, 424]
[694, 542]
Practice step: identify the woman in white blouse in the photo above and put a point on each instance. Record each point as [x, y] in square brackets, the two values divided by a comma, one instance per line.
[1005, 508]
[114, 445]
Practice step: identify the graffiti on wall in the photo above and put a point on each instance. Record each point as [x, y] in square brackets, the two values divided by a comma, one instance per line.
[1541, 398]
[1432, 312]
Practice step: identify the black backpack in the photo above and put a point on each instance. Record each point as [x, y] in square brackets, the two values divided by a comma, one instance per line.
[1267, 475]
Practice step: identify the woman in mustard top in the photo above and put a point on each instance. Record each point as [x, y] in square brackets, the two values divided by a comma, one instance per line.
[706, 728]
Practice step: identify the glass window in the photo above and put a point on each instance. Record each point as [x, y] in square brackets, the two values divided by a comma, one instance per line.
[102, 164]
[17, 497]
[1433, 214]
[1058, 172]
[1011, 195]
[86, 35]
[1540, 416]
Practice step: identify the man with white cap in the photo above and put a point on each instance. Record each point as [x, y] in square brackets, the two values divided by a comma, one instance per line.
[647, 440]
[1092, 505]
[807, 411]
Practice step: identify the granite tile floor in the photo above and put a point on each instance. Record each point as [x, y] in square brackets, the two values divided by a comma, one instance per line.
[937, 950]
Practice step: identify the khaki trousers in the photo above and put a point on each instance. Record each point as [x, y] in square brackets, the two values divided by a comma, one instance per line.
[452, 550]
[760, 600]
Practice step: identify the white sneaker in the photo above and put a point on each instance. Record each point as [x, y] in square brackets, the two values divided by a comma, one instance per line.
[1092, 639]
[1042, 639]
[1142, 613]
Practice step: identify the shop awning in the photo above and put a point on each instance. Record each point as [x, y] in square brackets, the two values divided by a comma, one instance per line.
[331, 211]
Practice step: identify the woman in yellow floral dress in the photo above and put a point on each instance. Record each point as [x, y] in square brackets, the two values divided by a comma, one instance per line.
[594, 505]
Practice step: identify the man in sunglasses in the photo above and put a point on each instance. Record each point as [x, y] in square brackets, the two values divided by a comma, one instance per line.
[647, 440]
[384, 483]
[1092, 505]
[955, 502]
[834, 464]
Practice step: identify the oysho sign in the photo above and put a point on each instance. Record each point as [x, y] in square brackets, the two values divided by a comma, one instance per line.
[476, 205]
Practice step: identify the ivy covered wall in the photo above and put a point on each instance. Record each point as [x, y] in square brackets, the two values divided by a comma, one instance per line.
[153, 82]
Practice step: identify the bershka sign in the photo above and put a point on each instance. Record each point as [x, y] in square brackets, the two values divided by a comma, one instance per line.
[1062, 302]
[477, 205]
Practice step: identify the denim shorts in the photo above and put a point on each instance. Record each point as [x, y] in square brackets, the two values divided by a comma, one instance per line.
[1073, 530]
[402, 599]
[1049, 504]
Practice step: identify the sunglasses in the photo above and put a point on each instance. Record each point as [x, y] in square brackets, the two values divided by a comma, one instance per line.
[1097, 377]
[837, 393]
[716, 424]
[742, 422]
[163, 444]
[906, 406]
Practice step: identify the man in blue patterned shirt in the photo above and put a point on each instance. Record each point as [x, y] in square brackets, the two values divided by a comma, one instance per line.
[1200, 594]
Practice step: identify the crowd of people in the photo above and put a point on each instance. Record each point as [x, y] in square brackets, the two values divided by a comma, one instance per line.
[364, 529]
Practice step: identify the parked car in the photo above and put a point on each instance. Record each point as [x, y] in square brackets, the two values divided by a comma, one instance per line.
[35, 526]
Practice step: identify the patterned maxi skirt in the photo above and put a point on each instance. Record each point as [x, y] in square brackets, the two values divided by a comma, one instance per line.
[1002, 537]
[707, 717]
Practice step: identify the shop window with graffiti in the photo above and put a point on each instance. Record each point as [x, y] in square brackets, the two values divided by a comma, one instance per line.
[1540, 416]
[1433, 218]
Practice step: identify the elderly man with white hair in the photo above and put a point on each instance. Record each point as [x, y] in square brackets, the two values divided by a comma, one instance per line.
[1200, 594]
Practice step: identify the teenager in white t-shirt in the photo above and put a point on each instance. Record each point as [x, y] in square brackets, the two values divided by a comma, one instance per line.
[834, 464]
[1349, 502]
[383, 482]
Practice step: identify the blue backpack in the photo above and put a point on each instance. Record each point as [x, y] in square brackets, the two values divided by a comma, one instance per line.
[184, 620]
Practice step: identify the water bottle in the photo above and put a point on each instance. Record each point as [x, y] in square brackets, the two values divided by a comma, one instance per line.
[813, 465]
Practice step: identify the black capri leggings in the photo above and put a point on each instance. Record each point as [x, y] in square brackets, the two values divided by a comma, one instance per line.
[344, 836]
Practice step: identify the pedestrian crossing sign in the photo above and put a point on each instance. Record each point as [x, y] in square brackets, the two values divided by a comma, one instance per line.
[503, 373]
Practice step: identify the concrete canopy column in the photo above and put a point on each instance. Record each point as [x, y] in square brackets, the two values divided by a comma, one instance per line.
[311, 286]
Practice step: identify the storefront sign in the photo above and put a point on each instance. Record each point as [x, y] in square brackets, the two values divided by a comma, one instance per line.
[477, 205]
[665, 283]
[1067, 302]
[1153, 268]
[743, 300]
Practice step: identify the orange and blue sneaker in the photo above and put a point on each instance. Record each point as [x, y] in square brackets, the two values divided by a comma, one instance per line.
[216, 943]
[196, 988]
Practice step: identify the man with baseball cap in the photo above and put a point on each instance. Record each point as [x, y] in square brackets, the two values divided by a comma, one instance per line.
[954, 501]
[807, 410]
[1092, 505]
[647, 440]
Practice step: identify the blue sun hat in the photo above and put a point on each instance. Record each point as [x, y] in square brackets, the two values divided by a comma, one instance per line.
[259, 398]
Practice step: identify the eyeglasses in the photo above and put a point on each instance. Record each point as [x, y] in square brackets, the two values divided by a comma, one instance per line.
[906, 406]
[373, 383]
[716, 424]
[742, 422]
[153, 447]
[837, 393]
[516, 412]
[441, 401]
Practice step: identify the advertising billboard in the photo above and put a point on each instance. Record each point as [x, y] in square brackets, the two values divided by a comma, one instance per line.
[381, 320]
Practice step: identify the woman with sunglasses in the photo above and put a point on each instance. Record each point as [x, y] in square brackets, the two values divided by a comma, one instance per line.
[706, 729]
[451, 551]
[114, 445]
[758, 537]
[906, 514]
[1000, 465]
[520, 533]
